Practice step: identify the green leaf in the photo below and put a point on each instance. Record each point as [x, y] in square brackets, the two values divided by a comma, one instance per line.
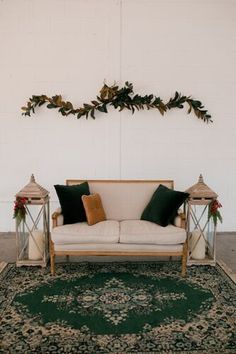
[103, 108]
[122, 106]
[58, 100]
[92, 114]
[79, 115]
[87, 106]
[160, 110]
[62, 111]
[51, 105]
[69, 106]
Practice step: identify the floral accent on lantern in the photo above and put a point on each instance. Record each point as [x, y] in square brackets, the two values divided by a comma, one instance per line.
[213, 211]
[20, 209]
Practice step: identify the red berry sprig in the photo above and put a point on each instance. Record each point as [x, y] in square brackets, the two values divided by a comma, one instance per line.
[213, 211]
[20, 209]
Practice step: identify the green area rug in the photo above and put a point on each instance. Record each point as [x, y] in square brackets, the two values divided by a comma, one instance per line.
[117, 308]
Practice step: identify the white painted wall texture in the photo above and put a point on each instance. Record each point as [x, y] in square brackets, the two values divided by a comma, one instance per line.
[69, 47]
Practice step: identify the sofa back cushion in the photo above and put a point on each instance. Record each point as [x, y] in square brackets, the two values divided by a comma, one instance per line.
[123, 199]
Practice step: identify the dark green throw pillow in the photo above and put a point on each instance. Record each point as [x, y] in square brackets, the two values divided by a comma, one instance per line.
[71, 202]
[163, 205]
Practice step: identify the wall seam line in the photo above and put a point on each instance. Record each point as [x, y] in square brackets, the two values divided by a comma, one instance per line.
[120, 58]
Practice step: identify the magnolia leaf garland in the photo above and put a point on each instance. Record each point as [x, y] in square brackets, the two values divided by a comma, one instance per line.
[121, 98]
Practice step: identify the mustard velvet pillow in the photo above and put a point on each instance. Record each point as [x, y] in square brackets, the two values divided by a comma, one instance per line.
[93, 208]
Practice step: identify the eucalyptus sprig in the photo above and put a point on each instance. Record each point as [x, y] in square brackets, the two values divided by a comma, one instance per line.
[119, 98]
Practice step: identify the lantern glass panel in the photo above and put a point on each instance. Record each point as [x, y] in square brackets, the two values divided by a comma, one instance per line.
[22, 242]
[201, 234]
[33, 235]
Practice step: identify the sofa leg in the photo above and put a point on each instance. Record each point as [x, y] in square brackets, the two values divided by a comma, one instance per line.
[52, 258]
[67, 258]
[184, 259]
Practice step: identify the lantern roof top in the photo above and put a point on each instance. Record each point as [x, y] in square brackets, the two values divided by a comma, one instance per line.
[201, 190]
[32, 190]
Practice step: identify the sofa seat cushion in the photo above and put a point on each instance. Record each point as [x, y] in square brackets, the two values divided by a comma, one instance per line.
[146, 232]
[102, 232]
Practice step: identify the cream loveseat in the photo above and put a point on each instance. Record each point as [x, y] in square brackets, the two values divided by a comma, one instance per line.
[123, 233]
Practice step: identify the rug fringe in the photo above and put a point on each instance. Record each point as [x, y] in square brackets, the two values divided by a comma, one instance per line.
[2, 266]
[227, 270]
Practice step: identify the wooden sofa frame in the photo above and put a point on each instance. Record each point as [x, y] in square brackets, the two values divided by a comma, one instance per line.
[55, 215]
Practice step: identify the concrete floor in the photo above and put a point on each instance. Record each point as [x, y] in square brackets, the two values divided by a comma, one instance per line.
[225, 251]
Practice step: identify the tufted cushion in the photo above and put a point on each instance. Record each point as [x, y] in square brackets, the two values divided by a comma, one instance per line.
[93, 208]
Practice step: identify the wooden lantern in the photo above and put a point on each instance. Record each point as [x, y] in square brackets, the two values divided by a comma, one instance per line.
[32, 230]
[201, 230]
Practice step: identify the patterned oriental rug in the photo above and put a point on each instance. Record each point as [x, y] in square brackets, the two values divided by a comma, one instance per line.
[117, 308]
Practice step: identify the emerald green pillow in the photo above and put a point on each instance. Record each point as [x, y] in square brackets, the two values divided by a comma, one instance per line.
[163, 205]
[71, 202]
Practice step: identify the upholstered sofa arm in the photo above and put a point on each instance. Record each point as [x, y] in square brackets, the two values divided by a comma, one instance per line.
[180, 220]
[57, 218]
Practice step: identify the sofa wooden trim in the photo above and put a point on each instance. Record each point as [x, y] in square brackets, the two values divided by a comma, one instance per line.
[55, 215]
[54, 218]
[70, 182]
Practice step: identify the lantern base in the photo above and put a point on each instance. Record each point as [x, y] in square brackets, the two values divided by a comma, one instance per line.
[205, 261]
[25, 262]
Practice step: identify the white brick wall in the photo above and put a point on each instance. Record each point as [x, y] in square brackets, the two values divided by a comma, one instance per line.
[71, 46]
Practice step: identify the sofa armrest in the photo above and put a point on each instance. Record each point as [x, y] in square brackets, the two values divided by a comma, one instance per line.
[180, 220]
[57, 218]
